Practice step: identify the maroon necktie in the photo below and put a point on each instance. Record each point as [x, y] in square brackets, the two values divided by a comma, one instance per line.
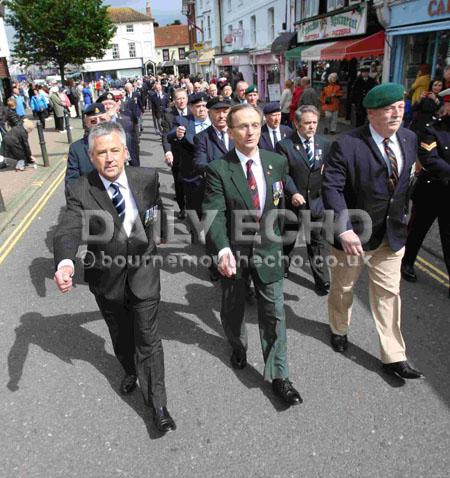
[393, 178]
[251, 181]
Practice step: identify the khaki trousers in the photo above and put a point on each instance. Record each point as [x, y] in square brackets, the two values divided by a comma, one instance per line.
[384, 295]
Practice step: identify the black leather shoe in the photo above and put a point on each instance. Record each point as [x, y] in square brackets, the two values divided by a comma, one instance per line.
[163, 421]
[408, 273]
[238, 359]
[402, 369]
[214, 274]
[128, 384]
[181, 215]
[250, 295]
[339, 343]
[284, 389]
[322, 288]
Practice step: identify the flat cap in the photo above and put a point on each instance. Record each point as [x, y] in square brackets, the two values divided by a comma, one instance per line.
[273, 107]
[251, 89]
[94, 109]
[218, 102]
[105, 97]
[197, 97]
[384, 95]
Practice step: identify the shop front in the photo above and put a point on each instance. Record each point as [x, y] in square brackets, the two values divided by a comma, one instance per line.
[234, 63]
[268, 75]
[418, 33]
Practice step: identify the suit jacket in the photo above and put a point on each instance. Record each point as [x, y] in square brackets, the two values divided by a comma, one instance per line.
[159, 104]
[78, 160]
[303, 179]
[114, 261]
[127, 125]
[265, 141]
[131, 107]
[208, 147]
[167, 122]
[227, 196]
[355, 176]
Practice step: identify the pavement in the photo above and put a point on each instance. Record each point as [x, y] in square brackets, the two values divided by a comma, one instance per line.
[62, 414]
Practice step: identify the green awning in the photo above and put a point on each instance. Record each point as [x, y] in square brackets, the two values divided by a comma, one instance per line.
[295, 53]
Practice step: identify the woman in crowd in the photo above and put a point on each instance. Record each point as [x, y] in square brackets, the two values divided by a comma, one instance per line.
[329, 99]
[16, 145]
[420, 84]
[38, 104]
[428, 105]
[58, 108]
[11, 117]
[87, 95]
[227, 92]
[296, 95]
[285, 101]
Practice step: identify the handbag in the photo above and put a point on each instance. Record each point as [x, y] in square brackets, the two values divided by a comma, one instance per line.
[73, 111]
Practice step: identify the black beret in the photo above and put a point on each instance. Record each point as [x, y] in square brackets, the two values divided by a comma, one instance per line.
[197, 97]
[218, 102]
[105, 97]
[384, 95]
[94, 109]
[273, 107]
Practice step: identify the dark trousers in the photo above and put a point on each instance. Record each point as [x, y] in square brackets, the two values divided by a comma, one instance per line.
[133, 327]
[41, 115]
[315, 249]
[271, 320]
[157, 121]
[59, 122]
[430, 201]
[179, 190]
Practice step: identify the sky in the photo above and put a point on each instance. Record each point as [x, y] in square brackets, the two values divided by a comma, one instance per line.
[164, 11]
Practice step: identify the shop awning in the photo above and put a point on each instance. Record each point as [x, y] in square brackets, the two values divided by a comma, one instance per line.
[283, 42]
[314, 53]
[295, 53]
[423, 28]
[372, 45]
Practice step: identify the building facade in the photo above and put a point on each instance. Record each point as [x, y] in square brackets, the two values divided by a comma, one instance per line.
[172, 46]
[4, 56]
[132, 51]
[207, 27]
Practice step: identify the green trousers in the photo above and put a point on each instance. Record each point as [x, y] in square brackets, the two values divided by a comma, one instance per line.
[271, 319]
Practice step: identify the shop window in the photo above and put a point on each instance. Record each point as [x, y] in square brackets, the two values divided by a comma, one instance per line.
[165, 54]
[132, 50]
[115, 51]
[130, 28]
[181, 53]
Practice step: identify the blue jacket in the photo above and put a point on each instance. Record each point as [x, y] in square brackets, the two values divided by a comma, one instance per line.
[38, 103]
[20, 106]
[78, 160]
[355, 176]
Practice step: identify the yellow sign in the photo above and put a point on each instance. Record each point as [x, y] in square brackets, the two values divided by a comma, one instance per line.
[198, 46]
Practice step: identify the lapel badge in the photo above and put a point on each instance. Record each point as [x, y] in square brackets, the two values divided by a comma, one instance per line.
[297, 147]
[277, 192]
[269, 170]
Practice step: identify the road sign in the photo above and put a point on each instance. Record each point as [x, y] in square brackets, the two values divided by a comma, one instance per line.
[198, 46]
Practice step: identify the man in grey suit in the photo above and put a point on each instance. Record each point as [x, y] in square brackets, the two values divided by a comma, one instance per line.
[114, 210]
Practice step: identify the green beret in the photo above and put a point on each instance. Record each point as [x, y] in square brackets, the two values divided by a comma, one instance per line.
[384, 95]
[251, 89]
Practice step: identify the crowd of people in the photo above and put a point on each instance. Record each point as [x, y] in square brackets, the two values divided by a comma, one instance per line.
[229, 153]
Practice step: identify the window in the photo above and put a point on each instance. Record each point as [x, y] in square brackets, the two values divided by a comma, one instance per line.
[253, 30]
[202, 26]
[209, 26]
[181, 52]
[240, 35]
[115, 51]
[130, 28]
[166, 54]
[132, 50]
[229, 5]
[270, 23]
[310, 8]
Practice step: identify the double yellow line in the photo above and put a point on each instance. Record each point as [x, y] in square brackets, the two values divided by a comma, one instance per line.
[432, 271]
[24, 224]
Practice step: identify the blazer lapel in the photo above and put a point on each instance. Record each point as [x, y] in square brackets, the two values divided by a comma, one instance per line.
[239, 179]
[403, 143]
[298, 146]
[267, 138]
[265, 161]
[100, 195]
[373, 146]
[136, 190]
[215, 139]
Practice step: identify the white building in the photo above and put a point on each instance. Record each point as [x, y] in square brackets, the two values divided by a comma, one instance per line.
[172, 44]
[132, 51]
[4, 56]
[207, 19]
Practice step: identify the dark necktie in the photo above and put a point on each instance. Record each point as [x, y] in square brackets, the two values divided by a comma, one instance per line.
[309, 153]
[393, 178]
[251, 181]
[275, 137]
[118, 201]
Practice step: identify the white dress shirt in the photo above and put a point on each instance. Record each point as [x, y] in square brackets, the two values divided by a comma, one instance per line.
[272, 135]
[226, 138]
[393, 144]
[258, 172]
[131, 210]
[182, 112]
[311, 143]
[206, 123]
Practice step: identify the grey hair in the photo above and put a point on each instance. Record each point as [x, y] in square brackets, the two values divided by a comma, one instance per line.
[104, 129]
[305, 109]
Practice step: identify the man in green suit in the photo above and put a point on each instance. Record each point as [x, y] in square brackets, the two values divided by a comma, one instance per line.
[244, 191]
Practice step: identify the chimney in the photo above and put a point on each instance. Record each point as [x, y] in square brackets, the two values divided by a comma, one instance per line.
[148, 11]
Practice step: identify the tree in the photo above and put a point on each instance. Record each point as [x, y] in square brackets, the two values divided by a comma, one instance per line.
[59, 31]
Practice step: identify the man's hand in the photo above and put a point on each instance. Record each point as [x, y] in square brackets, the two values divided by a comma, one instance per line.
[181, 130]
[351, 244]
[63, 278]
[227, 265]
[298, 200]
[168, 158]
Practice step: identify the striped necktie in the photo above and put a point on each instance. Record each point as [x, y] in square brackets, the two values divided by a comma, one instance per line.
[251, 181]
[118, 201]
[309, 153]
[393, 178]
[275, 137]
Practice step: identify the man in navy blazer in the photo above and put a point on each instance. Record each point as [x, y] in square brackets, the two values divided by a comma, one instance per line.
[160, 102]
[273, 131]
[369, 171]
[306, 153]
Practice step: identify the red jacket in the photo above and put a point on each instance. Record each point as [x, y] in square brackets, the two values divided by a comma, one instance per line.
[298, 91]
